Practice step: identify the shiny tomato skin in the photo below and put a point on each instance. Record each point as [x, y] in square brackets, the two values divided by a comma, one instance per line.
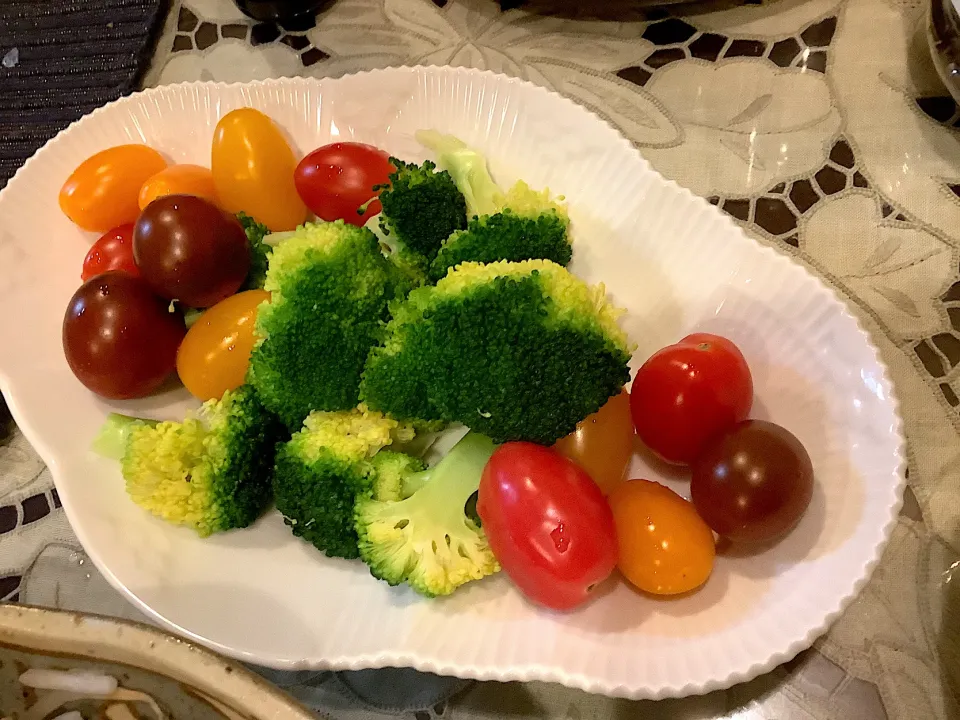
[190, 250]
[112, 251]
[753, 483]
[120, 340]
[336, 179]
[548, 524]
[215, 354]
[101, 193]
[689, 392]
[602, 444]
[253, 167]
[184, 179]
[665, 548]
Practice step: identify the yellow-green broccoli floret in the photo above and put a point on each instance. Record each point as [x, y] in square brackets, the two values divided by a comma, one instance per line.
[428, 540]
[326, 466]
[210, 472]
[330, 288]
[515, 351]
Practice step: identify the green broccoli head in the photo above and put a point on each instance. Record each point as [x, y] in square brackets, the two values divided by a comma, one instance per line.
[327, 465]
[520, 224]
[259, 251]
[506, 235]
[421, 208]
[330, 288]
[428, 540]
[210, 472]
[515, 351]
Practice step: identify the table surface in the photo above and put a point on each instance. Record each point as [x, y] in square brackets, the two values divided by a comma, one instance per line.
[822, 127]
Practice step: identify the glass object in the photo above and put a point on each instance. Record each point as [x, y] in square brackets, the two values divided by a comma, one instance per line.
[282, 11]
[943, 36]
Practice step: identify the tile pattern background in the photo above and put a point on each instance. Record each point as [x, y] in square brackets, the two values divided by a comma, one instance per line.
[820, 126]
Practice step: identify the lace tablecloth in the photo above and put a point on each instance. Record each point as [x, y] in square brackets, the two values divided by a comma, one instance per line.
[822, 127]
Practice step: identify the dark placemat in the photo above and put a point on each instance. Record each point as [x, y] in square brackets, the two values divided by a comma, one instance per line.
[60, 59]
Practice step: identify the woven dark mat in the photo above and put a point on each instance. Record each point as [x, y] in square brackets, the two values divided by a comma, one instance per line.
[62, 59]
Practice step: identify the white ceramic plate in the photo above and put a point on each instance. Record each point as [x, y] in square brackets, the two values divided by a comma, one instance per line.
[674, 261]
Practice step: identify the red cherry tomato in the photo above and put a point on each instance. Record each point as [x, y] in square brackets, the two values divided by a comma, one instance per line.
[120, 340]
[335, 180]
[753, 483]
[602, 444]
[113, 251]
[687, 393]
[190, 250]
[548, 524]
[102, 192]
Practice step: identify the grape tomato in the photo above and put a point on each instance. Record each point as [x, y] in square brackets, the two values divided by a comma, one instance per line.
[753, 483]
[337, 179]
[687, 393]
[602, 444]
[190, 250]
[182, 179]
[665, 548]
[253, 168]
[103, 192]
[120, 340]
[112, 251]
[215, 354]
[548, 524]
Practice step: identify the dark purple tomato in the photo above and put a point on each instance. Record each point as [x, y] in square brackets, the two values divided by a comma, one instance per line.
[190, 250]
[119, 338]
[753, 483]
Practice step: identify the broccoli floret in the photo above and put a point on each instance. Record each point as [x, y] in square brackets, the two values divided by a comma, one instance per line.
[421, 208]
[259, 251]
[515, 351]
[506, 235]
[210, 472]
[428, 540]
[521, 224]
[330, 287]
[326, 466]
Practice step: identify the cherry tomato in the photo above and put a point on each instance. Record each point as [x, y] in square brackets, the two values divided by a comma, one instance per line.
[179, 180]
[665, 548]
[113, 251]
[190, 250]
[102, 192]
[215, 354]
[335, 180]
[753, 483]
[602, 444]
[253, 170]
[548, 524]
[120, 340]
[687, 393]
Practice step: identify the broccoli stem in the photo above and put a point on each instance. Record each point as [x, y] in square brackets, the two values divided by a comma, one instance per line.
[111, 441]
[467, 459]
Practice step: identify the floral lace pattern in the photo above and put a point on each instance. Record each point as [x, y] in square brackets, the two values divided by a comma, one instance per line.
[821, 126]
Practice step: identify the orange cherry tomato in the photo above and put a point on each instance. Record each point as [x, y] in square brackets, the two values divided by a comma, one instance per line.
[215, 354]
[103, 191]
[602, 444]
[253, 169]
[665, 548]
[179, 180]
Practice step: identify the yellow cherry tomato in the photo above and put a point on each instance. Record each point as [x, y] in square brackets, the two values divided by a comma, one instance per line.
[602, 444]
[253, 170]
[179, 180]
[665, 548]
[103, 191]
[215, 353]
